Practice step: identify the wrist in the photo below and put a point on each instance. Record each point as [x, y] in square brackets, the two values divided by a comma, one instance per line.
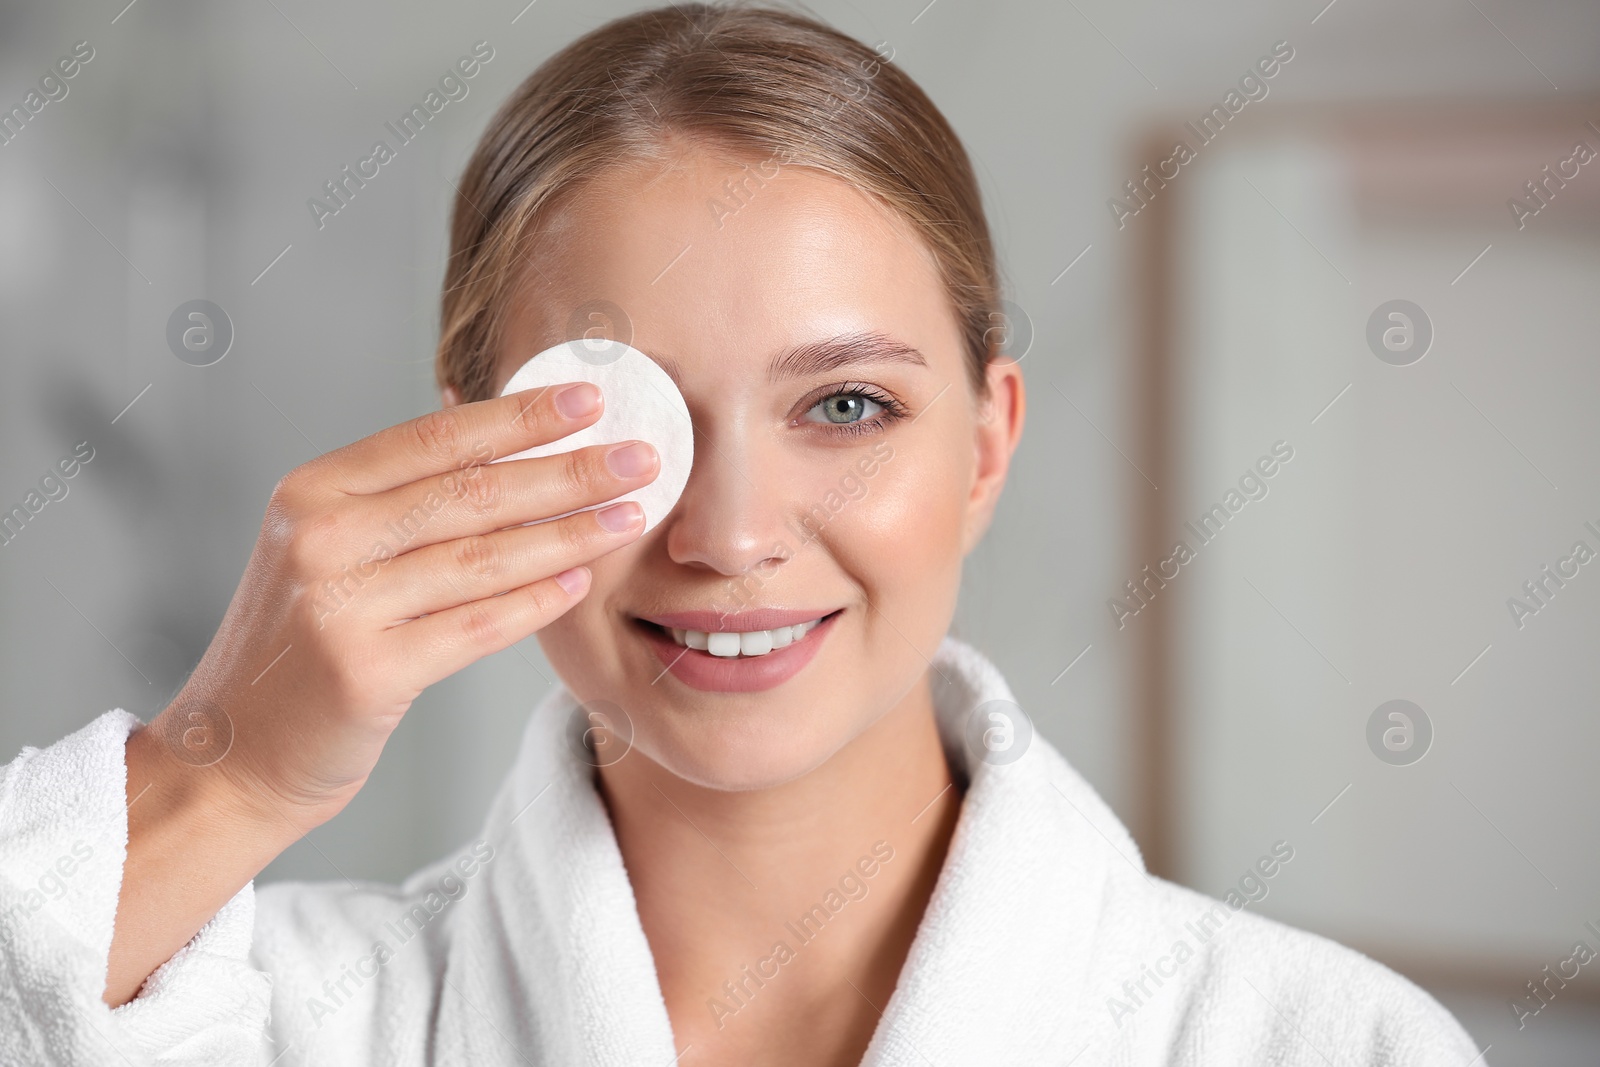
[193, 843]
[180, 786]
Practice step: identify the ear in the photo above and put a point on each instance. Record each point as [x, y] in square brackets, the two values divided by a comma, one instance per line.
[999, 428]
[449, 396]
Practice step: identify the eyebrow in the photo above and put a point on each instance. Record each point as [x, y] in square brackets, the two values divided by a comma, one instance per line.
[828, 354]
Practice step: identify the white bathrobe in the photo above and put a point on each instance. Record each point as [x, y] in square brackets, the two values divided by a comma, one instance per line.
[1045, 941]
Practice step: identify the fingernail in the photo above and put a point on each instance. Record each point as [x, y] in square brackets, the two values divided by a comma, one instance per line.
[576, 401]
[620, 518]
[630, 461]
[572, 580]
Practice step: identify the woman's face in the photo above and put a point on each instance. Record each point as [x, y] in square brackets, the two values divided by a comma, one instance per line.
[841, 489]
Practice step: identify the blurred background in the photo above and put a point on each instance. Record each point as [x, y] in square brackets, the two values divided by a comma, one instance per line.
[1373, 272]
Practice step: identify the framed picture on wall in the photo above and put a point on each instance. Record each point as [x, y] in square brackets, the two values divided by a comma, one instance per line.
[1359, 591]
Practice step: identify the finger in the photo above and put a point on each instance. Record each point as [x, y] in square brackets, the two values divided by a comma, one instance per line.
[437, 646]
[491, 497]
[451, 573]
[461, 436]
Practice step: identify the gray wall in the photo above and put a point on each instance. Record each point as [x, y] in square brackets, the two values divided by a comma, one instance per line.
[178, 168]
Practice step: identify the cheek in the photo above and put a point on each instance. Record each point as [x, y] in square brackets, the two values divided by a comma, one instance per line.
[901, 545]
[582, 645]
[907, 527]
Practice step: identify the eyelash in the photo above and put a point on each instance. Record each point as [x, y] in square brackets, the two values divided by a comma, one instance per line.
[893, 409]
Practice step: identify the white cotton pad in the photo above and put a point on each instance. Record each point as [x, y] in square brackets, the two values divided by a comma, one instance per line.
[640, 403]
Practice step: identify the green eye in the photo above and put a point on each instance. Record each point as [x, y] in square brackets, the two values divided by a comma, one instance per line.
[843, 408]
[853, 408]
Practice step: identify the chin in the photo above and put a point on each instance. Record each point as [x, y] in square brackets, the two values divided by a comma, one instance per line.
[739, 751]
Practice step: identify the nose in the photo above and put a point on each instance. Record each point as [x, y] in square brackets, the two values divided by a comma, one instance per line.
[730, 518]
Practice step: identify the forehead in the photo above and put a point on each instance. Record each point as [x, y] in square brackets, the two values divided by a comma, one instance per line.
[720, 259]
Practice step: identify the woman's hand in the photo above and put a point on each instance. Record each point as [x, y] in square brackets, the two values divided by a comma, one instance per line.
[380, 569]
[377, 572]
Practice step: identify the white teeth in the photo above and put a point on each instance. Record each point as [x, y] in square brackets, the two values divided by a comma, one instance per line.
[753, 643]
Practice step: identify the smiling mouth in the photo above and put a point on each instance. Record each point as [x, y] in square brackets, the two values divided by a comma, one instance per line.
[749, 644]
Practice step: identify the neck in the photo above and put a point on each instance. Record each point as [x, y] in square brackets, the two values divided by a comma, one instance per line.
[800, 885]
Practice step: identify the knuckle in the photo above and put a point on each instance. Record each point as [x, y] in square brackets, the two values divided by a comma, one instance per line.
[301, 551]
[548, 600]
[478, 627]
[477, 556]
[578, 533]
[308, 542]
[289, 500]
[439, 434]
[581, 472]
[321, 533]
[477, 489]
[291, 486]
[527, 413]
[540, 601]
[278, 526]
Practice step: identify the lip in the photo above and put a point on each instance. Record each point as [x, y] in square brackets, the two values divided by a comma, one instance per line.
[736, 674]
[736, 621]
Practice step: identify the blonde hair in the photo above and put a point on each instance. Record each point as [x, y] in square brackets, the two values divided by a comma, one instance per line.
[753, 80]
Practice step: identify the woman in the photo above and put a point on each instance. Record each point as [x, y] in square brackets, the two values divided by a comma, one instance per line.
[844, 850]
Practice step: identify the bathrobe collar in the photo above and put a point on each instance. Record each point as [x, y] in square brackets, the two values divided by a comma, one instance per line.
[998, 965]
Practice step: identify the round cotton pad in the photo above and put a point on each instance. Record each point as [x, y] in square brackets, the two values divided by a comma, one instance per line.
[641, 403]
